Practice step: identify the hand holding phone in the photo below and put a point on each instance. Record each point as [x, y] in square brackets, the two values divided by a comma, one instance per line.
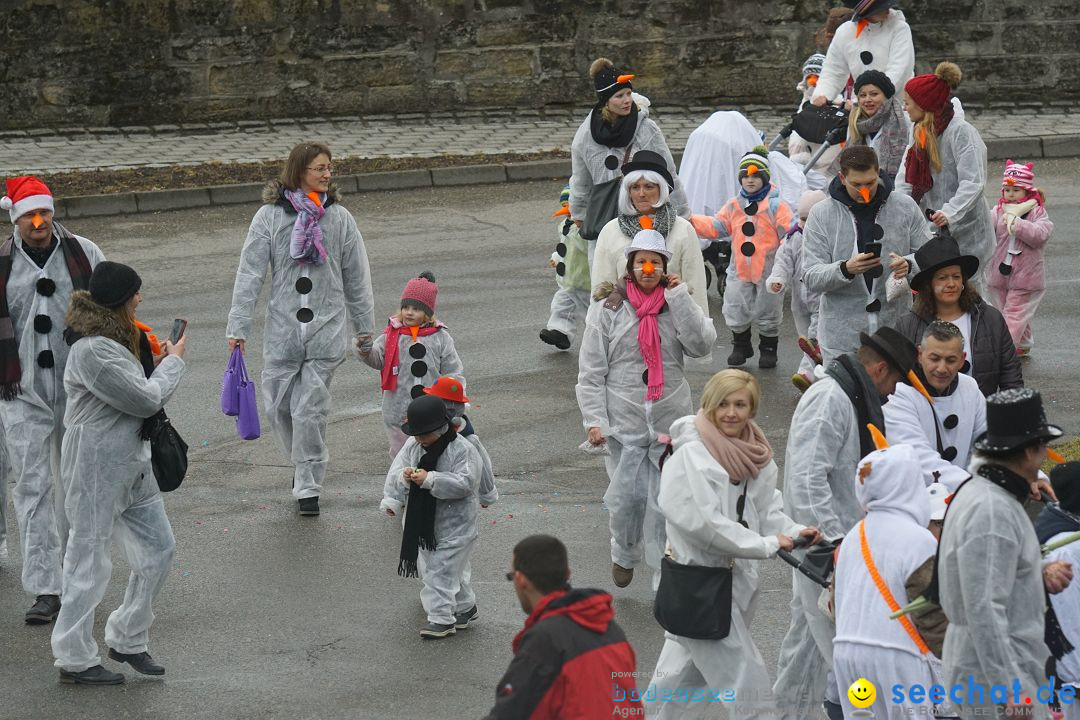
[178, 329]
[874, 248]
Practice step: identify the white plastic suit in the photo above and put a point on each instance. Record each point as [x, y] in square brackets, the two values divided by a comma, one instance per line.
[34, 421]
[1067, 608]
[890, 487]
[958, 191]
[570, 303]
[111, 493]
[445, 571]
[487, 492]
[5, 466]
[420, 364]
[699, 502]
[305, 336]
[787, 270]
[828, 240]
[611, 395]
[991, 582]
[819, 464]
[960, 417]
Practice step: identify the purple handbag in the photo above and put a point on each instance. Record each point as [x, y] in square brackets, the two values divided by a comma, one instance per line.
[230, 385]
[247, 419]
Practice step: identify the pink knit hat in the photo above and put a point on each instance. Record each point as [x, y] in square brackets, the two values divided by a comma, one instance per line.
[420, 292]
[1017, 175]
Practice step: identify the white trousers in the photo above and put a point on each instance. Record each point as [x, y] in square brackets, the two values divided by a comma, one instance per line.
[747, 303]
[447, 576]
[568, 310]
[34, 451]
[806, 652]
[102, 509]
[885, 667]
[806, 325]
[297, 396]
[637, 525]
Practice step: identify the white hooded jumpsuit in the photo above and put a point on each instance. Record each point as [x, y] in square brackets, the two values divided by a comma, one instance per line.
[446, 571]
[34, 421]
[305, 336]
[611, 395]
[111, 493]
[699, 502]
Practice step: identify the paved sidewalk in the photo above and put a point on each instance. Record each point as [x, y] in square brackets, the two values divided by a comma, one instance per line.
[1026, 131]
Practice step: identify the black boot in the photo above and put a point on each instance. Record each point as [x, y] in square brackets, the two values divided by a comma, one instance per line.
[767, 346]
[742, 347]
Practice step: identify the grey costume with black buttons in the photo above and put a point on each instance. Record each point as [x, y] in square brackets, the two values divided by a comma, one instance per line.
[306, 336]
[38, 300]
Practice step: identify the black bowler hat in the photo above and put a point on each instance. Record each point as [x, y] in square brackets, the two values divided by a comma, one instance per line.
[894, 347]
[425, 414]
[939, 252]
[649, 160]
[1015, 418]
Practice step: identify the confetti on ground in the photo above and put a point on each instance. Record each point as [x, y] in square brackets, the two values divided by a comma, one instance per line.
[205, 443]
[509, 517]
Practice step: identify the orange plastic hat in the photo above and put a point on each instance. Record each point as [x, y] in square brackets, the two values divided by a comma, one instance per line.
[448, 388]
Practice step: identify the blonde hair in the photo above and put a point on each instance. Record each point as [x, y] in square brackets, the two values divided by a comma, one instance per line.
[923, 135]
[723, 384]
[428, 319]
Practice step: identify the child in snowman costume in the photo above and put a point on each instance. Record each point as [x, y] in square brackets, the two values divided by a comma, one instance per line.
[451, 391]
[571, 263]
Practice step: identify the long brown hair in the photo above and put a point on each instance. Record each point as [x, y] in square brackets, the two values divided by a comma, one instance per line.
[925, 303]
[299, 159]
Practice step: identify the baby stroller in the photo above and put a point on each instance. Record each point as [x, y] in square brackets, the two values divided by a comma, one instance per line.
[824, 126]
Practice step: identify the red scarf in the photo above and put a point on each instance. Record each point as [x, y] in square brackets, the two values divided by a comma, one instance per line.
[918, 173]
[648, 335]
[390, 362]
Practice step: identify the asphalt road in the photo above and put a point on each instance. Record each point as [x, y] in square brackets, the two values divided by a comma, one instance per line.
[269, 615]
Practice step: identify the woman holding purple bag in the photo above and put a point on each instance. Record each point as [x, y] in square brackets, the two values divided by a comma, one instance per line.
[320, 287]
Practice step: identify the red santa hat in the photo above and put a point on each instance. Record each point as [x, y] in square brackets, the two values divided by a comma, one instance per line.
[26, 193]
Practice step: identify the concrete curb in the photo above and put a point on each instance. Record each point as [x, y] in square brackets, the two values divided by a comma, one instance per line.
[1026, 148]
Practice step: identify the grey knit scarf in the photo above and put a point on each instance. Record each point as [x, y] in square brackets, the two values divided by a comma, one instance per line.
[888, 124]
[663, 221]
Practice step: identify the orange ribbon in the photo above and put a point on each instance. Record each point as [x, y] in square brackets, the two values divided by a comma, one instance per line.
[886, 594]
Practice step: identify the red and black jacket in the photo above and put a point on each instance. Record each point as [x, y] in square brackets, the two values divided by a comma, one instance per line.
[571, 660]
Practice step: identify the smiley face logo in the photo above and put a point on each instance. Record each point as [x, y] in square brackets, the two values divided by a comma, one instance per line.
[862, 693]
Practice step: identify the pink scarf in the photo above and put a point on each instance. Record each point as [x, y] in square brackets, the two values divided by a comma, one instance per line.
[741, 457]
[648, 335]
[390, 361]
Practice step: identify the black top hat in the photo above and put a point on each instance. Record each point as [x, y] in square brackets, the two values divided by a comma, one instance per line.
[939, 252]
[894, 347]
[863, 8]
[425, 414]
[649, 160]
[1015, 418]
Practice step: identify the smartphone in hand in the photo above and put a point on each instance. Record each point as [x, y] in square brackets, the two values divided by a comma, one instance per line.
[179, 327]
[873, 248]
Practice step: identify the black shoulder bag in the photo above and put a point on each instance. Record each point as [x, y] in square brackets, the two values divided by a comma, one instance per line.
[168, 451]
[603, 202]
[694, 601]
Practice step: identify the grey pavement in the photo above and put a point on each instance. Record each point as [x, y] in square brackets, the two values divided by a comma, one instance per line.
[269, 615]
[467, 133]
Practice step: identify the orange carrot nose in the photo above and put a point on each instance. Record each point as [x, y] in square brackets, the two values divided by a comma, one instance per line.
[1010, 181]
[752, 170]
[414, 330]
[1055, 455]
[36, 220]
[624, 79]
[811, 80]
[879, 439]
[865, 193]
[646, 222]
[917, 384]
[564, 210]
[315, 198]
[648, 268]
[860, 26]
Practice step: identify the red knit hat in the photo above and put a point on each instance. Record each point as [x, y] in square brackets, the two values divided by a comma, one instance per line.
[24, 194]
[931, 92]
[420, 292]
[448, 388]
[1021, 176]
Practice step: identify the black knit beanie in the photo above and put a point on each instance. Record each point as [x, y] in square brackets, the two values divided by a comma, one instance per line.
[878, 78]
[113, 284]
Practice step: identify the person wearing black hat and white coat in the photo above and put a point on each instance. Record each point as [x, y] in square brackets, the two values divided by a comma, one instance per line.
[876, 38]
[828, 436]
[111, 491]
[879, 120]
[646, 202]
[991, 574]
[1056, 523]
[940, 428]
[618, 125]
[436, 476]
[41, 264]
[946, 292]
[849, 239]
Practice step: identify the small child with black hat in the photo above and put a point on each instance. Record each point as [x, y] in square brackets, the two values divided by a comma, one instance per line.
[755, 220]
[435, 476]
[451, 391]
[571, 262]
[413, 351]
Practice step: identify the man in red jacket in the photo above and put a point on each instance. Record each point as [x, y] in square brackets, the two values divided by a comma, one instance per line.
[572, 659]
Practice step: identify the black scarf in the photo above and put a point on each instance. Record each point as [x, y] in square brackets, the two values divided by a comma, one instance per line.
[618, 135]
[864, 397]
[419, 529]
[78, 267]
[1007, 480]
[865, 215]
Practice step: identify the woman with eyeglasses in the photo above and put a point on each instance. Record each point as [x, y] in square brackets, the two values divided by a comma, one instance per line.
[718, 494]
[320, 298]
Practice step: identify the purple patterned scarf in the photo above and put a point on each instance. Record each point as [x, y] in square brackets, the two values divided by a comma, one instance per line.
[306, 245]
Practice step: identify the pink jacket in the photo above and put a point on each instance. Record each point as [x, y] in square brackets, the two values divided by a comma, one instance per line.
[1032, 233]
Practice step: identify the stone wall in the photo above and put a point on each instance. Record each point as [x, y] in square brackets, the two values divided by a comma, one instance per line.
[145, 62]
